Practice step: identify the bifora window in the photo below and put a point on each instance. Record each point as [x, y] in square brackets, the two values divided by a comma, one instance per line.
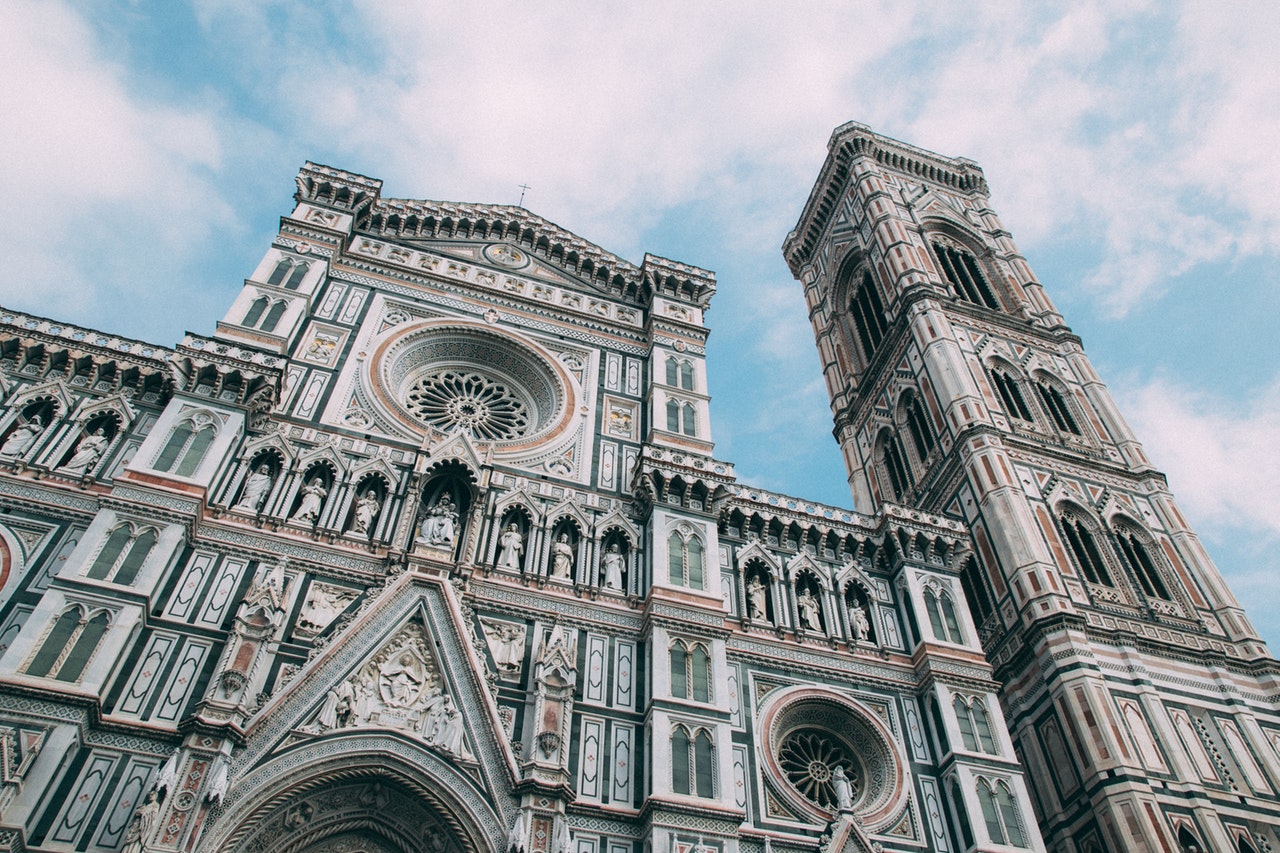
[960, 269]
[867, 311]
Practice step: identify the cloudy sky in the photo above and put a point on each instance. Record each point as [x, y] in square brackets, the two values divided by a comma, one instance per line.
[149, 148]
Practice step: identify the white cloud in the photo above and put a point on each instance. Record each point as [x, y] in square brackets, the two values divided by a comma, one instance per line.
[1222, 457]
[84, 156]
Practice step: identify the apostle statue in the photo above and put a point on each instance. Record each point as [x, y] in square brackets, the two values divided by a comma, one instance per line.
[757, 601]
[859, 624]
[21, 439]
[366, 513]
[140, 827]
[511, 547]
[843, 787]
[561, 557]
[256, 486]
[808, 605]
[613, 567]
[440, 527]
[88, 452]
[312, 500]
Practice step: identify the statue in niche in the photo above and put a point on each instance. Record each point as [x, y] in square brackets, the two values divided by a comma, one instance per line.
[613, 567]
[256, 486]
[366, 513]
[859, 624]
[140, 827]
[440, 527]
[511, 547]
[561, 557]
[757, 599]
[312, 500]
[807, 602]
[843, 788]
[21, 439]
[444, 727]
[88, 452]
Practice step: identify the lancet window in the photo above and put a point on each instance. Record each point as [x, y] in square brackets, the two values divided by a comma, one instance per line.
[289, 274]
[942, 614]
[690, 671]
[681, 417]
[692, 762]
[893, 466]
[1084, 548]
[960, 269]
[680, 374]
[1056, 405]
[1015, 405]
[1141, 564]
[122, 555]
[685, 560]
[975, 724]
[186, 447]
[918, 425]
[264, 314]
[70, 643]
[1000, 813]
[867, 312]
[974, 587]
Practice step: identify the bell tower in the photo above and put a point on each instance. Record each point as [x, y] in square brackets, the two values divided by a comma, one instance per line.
[1139, 696]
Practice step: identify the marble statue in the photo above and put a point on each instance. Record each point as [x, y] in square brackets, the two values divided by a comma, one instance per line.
[613, 567]
[843, 788]
[440, 527]
[21, 439]
[88, 452]
[366, 513]
[312, 500]
[561, 557]
[511, 547]
[140, 827]
[859, 624]
[808, 605]
[256, 486]
[757, 602]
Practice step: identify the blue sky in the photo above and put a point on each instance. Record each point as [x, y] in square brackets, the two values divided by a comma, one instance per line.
[1131, 148]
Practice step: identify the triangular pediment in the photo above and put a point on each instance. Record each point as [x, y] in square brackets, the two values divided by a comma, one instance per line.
[401, 674]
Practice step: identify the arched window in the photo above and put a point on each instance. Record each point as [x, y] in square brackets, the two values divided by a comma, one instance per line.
[942, 615]
[1084, 548]
[273, 316]
[673, 416]
[1243, 845]
[690, 420]
[256, 310]
[961, 816]
[69, 645]
[681, 761]
[960, 269]
[185, 449]
[918, 426]
[974, 587]
[1015, 405]
[893, 467]
[1141, 564]
[975, 724]
[1000, 813]
[684, 561]
[111, 565]
[672, 371]
[690, 672]
[704, 765]
[296, 277]
[686, 375]
[867, 311]
[283, 266]
[1057, 407]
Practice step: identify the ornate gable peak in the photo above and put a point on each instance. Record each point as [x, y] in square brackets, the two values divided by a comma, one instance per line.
[271, 441]
[754, 550]
[114, 403]
[852, 142]
[52, 389]
[323, 453]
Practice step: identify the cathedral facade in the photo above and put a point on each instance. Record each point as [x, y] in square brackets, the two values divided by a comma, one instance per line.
[425, 548]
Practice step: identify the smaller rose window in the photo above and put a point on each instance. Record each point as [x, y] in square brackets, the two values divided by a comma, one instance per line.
[809, 758]
[464, 399]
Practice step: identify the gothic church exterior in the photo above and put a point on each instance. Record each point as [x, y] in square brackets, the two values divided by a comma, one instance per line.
[425, 548]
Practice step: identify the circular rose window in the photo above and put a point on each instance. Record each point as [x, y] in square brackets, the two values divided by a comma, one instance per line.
[812, 734]
[460, 376]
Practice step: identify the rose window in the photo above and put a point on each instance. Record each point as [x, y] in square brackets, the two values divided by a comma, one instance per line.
[465, 399]
[809, 757]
